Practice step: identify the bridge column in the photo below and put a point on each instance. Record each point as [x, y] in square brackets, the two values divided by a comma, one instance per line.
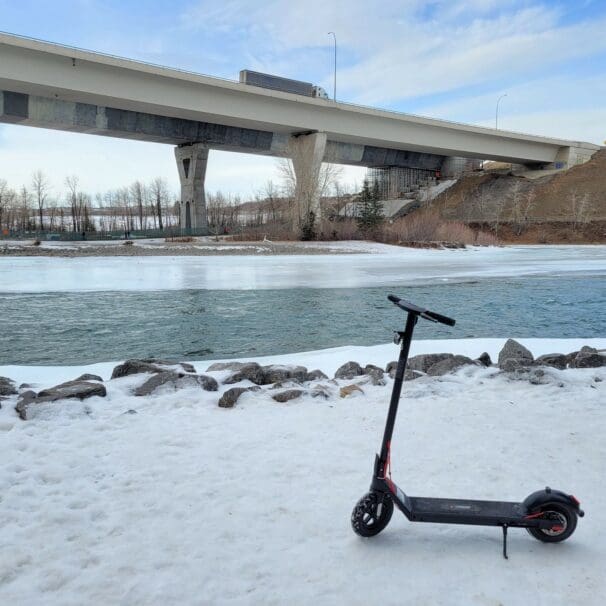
[191, 162]
[306, 153]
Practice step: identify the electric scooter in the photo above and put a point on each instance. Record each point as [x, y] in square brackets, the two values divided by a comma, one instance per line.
[548, 515]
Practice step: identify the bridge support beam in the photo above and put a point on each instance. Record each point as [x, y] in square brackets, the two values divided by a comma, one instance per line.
[191, 164]
[306, 153]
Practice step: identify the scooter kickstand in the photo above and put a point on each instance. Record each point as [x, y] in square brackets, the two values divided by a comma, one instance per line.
[505, 541]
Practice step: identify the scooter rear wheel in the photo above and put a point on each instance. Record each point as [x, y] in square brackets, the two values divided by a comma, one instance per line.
[372, 514]
[567, 519]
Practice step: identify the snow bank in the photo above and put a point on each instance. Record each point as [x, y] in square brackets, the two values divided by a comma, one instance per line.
[186, 503]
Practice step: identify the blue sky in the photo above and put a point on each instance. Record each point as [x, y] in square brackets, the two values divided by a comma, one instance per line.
[445, 58]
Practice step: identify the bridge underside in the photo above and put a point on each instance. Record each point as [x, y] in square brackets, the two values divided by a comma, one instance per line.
[45, 112]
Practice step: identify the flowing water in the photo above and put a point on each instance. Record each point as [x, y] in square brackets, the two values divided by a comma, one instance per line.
[75, 327]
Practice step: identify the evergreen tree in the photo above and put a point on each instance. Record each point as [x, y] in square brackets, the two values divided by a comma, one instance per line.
[369, 209]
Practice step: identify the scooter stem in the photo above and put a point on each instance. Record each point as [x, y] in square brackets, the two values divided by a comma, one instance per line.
[405, 340]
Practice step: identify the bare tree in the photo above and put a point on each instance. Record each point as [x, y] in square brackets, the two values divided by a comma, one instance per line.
[71, 183]
[159, 193]
[40, 188]
[580, 208]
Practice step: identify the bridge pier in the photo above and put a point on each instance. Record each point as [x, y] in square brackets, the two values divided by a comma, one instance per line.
[307, 152]
[191, 163]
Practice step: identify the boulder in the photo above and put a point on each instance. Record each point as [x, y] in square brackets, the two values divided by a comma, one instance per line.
[275, 373]
[370, 367]
[133, 367]
[376, 376]
[537, 376]
[348, 390]
[176, 380]
[73, 389]
[349, 370]
[231, 396]
[251, 371]
[517, 355]
[289, 394]
[7, 387]
[409, 374]
[315, 375]
[186, 366]
[424, 362]
[588, 357]
[24, 400]
[320, 391]
[448, 365]
[484, 359]
[89, 377]
[217, 366]
[555, 360]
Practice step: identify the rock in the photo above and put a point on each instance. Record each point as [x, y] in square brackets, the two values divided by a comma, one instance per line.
[7, 387]
[409, 374]
[554, 360]
[391, 367]
[370, 367]
[25, 386]
[349, 370]
[276, 373]
[217, 366]
[289, 394]
[424, 362]
[231, 396]
[176, 380]
[24, 400]
[588, 357]
[320, 391]
[376, 376]
[133, 367]
[251, 371]
[512, 350]
[348, 390]
[89, 377]
[186, 366]
[537, 376]
[315, 375]
[484, 359]
[448, 365]
[73, 389]
[511, 365]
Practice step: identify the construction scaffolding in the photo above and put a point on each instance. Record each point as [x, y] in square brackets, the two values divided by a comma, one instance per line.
[394, 182]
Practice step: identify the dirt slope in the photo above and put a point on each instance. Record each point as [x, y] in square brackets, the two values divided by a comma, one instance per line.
[577, 196]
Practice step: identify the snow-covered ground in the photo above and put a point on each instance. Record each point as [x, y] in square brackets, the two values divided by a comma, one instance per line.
[187, 503]
[376, 265]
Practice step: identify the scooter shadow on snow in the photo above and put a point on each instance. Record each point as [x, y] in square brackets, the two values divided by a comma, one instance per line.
[457, 543]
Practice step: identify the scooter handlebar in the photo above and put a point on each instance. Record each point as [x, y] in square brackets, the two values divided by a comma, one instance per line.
[424, 313]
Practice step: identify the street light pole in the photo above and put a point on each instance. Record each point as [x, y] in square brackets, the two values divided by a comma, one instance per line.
[334, 94]
[496, 115]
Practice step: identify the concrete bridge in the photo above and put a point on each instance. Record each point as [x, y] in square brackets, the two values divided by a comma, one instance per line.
[59, 87]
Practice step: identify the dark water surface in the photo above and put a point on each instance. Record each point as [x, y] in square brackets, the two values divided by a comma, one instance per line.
[87, 327]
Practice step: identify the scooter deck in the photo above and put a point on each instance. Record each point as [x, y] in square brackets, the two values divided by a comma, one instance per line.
[465, 511]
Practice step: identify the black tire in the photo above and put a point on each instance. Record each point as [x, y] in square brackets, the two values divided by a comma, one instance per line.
[372, 514]
[565, 515]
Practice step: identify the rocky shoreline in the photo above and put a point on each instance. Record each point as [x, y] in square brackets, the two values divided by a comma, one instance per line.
[284, 383]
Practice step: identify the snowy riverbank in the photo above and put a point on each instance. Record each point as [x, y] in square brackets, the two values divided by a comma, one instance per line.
[184, 502]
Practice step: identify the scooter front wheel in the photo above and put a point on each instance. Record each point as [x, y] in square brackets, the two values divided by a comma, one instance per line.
[372, 513]
[567, 519]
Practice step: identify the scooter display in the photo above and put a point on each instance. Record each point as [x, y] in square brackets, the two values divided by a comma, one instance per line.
[548, 515]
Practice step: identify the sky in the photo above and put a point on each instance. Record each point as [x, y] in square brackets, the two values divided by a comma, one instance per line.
[448, 59]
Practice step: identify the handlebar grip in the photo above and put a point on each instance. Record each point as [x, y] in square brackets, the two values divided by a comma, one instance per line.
[440, 318]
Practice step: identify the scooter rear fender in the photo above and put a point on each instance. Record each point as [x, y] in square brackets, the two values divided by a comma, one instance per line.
[537, 501]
